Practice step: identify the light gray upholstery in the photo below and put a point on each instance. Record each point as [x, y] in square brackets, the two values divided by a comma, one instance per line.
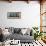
[22, 38]
[17, 35]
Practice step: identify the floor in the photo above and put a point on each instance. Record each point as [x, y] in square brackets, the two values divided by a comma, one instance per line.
[35, 43]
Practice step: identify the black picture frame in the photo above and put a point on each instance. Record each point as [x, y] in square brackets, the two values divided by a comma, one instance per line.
[14, 15]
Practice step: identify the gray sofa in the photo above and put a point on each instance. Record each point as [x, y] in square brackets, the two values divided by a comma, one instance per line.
[22, 38]
[17, 35]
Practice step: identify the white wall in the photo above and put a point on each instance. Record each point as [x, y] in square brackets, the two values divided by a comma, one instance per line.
[30, 14]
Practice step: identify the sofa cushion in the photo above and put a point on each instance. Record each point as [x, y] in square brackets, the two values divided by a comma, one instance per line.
[23, 31]
[17, 30]
[20, 37]
[11, 30]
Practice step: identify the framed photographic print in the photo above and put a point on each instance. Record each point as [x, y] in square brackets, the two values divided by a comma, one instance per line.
[14, 15]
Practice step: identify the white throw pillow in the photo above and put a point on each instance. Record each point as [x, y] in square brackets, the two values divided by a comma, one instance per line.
[23, 31]
[5, 32]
